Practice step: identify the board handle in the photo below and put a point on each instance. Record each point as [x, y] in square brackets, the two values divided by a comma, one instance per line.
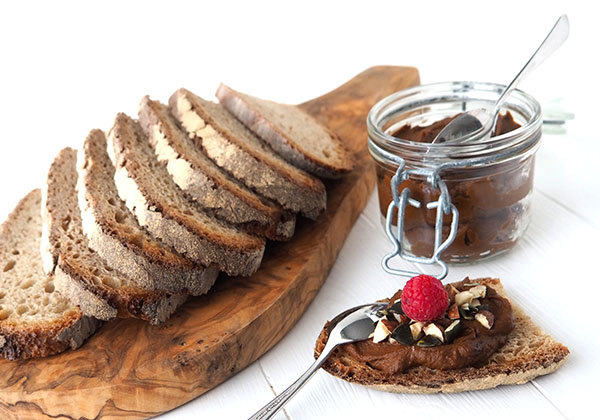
[356, 97]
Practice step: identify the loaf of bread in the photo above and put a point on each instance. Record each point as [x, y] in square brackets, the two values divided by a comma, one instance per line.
[141, 218]
[135, 223]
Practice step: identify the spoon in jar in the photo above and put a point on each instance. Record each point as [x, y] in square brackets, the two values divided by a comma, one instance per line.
[479, 123]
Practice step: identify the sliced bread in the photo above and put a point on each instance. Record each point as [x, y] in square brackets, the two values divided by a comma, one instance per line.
[80, 274]
[35, 320]
[528, 353]
[113, 231]
[291, 132]
[205, 182]
[237, 150]
[161, 207]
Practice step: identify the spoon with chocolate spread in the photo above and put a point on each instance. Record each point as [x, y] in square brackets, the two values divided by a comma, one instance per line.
[478, 123]
[350, 326]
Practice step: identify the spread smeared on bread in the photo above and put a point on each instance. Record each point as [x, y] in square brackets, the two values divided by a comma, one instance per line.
[526, 353]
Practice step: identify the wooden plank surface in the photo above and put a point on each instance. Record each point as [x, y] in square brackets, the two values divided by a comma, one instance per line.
[356, 277]
[133, 370]
[551, 267]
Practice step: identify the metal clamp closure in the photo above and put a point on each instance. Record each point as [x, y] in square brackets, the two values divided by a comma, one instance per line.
[400, 201]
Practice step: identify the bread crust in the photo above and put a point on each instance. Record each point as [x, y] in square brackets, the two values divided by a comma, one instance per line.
[281, 142]
[48, 338]
[189, 236]
[265, 173]
[28, 338]
[106, 303]
[206, 183]
[75, 278]
[92, 299]
[514, 363]
[129, 249]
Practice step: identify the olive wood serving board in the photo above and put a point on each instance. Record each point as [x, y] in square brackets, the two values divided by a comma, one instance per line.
[130, 369]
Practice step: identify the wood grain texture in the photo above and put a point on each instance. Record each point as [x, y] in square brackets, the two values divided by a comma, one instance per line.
[133, 370]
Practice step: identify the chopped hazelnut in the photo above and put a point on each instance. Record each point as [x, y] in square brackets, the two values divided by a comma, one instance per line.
[416, 329]
[453, 312]
[453, 330]
[452, 291]
[381, 331]
[390, 325]
[401, 318]
[463, 297]
[478, 291]
[485, 318]
[434, 330]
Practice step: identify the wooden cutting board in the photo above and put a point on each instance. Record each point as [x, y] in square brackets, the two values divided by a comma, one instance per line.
[130, 369]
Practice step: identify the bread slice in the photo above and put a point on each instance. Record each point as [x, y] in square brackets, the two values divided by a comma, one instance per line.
[160, 206]
[80, 274]
[205, 182]
[35, 320]
[237, 150]
[291, 132]
[528, 353]
[113, 232]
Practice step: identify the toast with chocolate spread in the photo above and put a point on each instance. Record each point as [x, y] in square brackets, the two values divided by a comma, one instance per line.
[527, 353]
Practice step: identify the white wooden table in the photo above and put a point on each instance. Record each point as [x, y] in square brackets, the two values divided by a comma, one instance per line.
[67, 68]
[550, 273]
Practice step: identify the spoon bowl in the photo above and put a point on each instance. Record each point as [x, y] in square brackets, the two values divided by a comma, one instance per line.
[354, 324]
[470, 126]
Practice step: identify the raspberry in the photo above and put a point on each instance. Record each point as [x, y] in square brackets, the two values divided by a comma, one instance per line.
[424, 298]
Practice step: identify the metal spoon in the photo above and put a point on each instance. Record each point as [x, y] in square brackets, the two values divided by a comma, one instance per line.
[479, 123]
[353, 325]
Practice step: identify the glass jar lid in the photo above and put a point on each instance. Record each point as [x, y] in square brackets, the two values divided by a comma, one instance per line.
[426, 104]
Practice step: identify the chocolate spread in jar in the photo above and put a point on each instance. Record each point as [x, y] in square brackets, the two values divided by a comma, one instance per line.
[491, 201]
[426, 134]
[472, 347]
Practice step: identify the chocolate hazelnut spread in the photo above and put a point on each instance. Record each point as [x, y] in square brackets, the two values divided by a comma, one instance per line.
[426, 134]
[472, 347]
[491, 201]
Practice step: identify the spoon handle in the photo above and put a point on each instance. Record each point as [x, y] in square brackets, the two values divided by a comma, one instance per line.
[277, 403]
[555, 38]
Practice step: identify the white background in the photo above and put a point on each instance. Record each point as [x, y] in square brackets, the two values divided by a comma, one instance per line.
[68, 67]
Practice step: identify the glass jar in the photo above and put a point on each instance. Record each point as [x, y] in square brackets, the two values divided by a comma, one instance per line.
[492, 190]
